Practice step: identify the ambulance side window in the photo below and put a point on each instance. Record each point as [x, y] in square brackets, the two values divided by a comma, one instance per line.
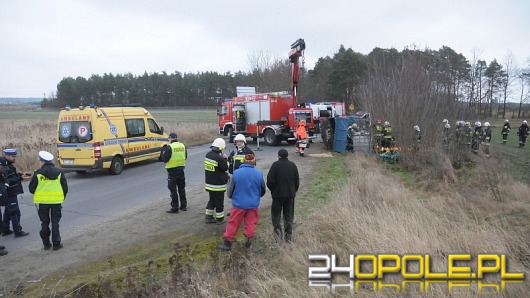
[153, 127]
[135, 127]
[75, 132]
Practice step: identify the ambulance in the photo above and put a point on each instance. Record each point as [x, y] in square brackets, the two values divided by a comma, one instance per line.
[90, 138]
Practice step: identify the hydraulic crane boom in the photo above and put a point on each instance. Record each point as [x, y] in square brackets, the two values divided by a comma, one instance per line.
[297, 50]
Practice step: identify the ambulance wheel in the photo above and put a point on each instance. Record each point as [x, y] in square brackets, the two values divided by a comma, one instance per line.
[116, 166]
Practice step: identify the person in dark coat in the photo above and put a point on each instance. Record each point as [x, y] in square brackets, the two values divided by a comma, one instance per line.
[283, 181]
[505, 131]
[175, 156]
[523, 133]
[216, 177]
[14, 188]
[236, 157]
[49, 188]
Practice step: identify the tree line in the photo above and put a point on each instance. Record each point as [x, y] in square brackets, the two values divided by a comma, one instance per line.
[480, 86]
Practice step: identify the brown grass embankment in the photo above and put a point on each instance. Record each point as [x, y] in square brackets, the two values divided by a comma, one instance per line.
[376, 214]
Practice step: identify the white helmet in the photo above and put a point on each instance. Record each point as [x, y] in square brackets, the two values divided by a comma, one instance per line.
[506, 120]
[445, 121]
[416, 128]
[447, 125]
[524, 121]
[467, 123]
[219, 143]
[387, 123]
[487, 124]
[478, 124]
[240, 137]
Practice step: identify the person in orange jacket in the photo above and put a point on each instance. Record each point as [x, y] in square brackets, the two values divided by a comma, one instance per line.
[301, 137]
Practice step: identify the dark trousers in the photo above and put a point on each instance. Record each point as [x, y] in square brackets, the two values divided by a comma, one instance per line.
[176, 183]
[12, 215]
[287, 206]
[47, 213]
[522, 140]
[217, 201]
[504, 138]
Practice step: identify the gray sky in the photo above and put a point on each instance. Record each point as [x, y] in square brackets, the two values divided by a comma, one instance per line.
[41, 42]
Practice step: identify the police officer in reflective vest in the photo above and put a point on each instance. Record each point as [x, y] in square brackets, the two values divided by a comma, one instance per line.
[216, 178]
[175, 156]
[49, 188]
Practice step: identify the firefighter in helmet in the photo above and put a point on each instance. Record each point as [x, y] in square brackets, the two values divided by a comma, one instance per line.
[216, 178]
[505, 131]
[523, 133]
[476, 137]
[417, 137]
[446, 134]
[378, 133]
[301, 137]
[237, 156]
[387, 139]
[486, 139]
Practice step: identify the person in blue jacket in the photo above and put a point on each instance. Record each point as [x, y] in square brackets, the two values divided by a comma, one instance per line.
[245, 189]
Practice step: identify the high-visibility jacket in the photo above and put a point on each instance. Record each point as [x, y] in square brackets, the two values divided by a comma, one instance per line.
[301, 133]
[49, 191]
[178, 155]
[215, 174]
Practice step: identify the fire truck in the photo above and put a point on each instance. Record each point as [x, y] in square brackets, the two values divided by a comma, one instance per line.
[271, 116]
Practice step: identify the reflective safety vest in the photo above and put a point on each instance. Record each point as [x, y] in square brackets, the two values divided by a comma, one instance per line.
[48, 191]
[387, 132]
[178, 155]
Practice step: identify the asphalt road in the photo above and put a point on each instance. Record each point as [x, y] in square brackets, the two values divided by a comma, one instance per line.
[99, 196]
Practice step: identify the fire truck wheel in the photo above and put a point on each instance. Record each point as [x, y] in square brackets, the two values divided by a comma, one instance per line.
[230, 135]
[270, 137]
[116, 166]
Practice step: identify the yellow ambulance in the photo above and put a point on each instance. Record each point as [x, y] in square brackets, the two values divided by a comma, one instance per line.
[107, 138]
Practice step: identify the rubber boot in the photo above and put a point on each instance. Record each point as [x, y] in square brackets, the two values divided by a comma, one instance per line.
[227, 245]
[288, 238]
[220, 220]
[209, 219]
[248, 242]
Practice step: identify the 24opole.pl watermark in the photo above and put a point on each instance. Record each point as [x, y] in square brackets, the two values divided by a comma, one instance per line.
[412, 273]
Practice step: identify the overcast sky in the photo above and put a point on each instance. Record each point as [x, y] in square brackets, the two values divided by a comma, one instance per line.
[41, 42]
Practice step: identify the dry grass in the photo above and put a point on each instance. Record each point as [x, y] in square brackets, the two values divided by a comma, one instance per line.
[375, 214]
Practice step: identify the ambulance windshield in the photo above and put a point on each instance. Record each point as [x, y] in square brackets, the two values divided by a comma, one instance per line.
[75, 132]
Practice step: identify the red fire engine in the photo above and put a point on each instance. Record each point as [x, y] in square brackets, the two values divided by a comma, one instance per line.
[271, 116]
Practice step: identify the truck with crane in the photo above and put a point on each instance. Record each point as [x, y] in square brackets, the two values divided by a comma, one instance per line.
[271, 116]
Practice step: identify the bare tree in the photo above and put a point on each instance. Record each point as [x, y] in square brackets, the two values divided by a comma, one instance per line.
[269, 73]
[508, 79]
[523, 75]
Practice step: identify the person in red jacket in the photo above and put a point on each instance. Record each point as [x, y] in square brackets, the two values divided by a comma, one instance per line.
[301, 137]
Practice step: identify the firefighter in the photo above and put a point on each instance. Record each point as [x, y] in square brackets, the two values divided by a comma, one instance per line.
[387, 139]
[505, 131]
[446, 135]
[175, 156]
[301, 137]
[476, 137]
[522, 133]
[486, 139]
[417, 137]
[466, 135]
[378, 133]
[236, 157]
[216, 177]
